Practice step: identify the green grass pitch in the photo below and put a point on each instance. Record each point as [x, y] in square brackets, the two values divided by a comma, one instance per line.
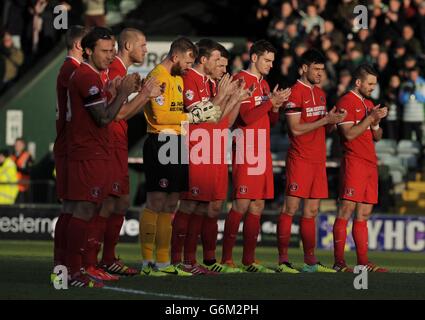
[25, 268]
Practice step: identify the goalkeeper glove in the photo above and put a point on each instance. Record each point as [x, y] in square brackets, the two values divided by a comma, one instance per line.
[204, 112]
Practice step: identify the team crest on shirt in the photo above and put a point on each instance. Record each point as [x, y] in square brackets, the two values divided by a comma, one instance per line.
[189, 95]
[195, 191]
[322, 99]
[160, 100]
[349, 192]
[163, 183]
[293, 187]
[243, 189]
[116, 187]
[94, 90]
[95, 192]
[180, 88]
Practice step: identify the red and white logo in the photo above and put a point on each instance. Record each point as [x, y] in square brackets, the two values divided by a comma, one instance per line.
[243, 189]
[189, 95]
[95, 192]
[293, 187]
[195, 191]
[163, 183]
[349, 192]
[116, 187]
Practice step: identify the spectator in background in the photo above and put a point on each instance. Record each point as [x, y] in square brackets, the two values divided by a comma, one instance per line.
[310, 19]
[13, 19]
[373, 53]
[412, 44]
[383, 68]
[12, 58]
[8, 179]
[24, 162]
[419, 22]
[391, 123]
[344, 15]
[262, 16]
[337, 36]
[344, 82]
[412, 98]
[95, 13]
[364, 39]
[399, 54]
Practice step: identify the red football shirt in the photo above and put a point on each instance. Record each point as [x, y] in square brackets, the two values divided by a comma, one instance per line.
[310, 103]
[198, 88]
[68, 67]
[85, 139]
[256, 112]
[119, 129]
[358, 108]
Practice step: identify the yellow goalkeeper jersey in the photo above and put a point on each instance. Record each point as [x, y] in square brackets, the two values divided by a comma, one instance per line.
[166, 112]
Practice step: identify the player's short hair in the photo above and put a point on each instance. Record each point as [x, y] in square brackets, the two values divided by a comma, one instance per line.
[74, 34]
[261, 47]
[182, 45]
[224, 52]
[205, 48]
[90, 39]
[363, 70]
[126, 35]
[312, 56]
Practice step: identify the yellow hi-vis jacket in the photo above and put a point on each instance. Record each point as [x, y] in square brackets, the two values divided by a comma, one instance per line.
[9, 188]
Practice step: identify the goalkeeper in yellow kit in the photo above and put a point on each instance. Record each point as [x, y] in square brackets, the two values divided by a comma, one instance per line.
[164, 179]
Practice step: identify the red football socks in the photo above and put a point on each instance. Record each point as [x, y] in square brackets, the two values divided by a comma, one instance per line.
[178, 237]
[340, 237]
[95, 234]
[112, 235]
[76, 244]
[59, 251]
[251, 229]
[308, 236]
[231, 228]
[209, 237]
[360, 235]
[191, 241]
[284, 236]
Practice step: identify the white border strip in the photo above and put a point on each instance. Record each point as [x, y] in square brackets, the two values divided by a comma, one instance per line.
[147, 293]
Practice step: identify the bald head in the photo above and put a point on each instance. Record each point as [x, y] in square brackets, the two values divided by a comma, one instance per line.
[132, 43]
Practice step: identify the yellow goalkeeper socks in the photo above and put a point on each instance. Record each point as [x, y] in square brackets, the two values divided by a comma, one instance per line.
[148, 227]
[163, 237]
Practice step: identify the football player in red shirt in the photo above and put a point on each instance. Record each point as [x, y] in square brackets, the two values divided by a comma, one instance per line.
[253, 178]
[72, 61]
[107, 226]
[201, 205]
[88, 145]
[306, 179]
[359, 171]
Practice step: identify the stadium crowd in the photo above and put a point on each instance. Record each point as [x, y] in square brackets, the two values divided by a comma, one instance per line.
[394, 42]
[27, 31]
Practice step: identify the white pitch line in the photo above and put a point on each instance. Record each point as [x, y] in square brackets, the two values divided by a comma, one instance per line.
[147, 293]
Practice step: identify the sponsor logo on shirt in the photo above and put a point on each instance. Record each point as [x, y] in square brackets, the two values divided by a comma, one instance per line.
[316, 111]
